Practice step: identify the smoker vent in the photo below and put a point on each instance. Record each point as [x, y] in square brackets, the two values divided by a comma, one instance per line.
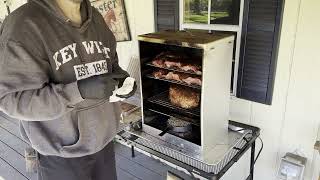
[163, 100]
[182, 157]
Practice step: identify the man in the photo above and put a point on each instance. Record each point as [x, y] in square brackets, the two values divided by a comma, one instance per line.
[58, 68]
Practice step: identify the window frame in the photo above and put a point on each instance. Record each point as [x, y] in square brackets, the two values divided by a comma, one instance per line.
[219, 27]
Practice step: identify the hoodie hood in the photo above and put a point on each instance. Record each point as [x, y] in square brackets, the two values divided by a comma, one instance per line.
[52, 7]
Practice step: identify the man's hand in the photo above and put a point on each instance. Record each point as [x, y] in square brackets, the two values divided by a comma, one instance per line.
[127, 89]
[126, 85]
[134, 88]
[97, 87]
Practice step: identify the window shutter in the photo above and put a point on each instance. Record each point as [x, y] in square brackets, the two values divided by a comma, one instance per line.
[259, 49]
[166, 15]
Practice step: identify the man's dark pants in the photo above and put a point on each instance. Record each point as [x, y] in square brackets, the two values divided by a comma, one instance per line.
[99, 166]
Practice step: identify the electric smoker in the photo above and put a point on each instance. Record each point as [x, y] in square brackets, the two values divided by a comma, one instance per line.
[185, 90]
[201, 118]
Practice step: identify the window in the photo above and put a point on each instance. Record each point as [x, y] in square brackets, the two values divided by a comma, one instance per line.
[211, 11]
[256, 25]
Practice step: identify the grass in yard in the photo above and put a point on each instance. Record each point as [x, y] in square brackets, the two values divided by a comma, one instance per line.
[215, 15]
[203, 17]
[196, 18]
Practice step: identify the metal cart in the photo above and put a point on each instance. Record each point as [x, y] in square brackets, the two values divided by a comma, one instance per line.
[242, 137]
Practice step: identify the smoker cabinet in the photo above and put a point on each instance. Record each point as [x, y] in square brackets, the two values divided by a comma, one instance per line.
[208, 122]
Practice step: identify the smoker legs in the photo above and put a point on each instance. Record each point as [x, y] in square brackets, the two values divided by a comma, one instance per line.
[132, 152]
[253, 149]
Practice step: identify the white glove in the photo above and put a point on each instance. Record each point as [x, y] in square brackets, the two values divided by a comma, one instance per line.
[127, 88]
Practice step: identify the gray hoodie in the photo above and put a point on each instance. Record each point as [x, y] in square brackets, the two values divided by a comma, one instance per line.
[42, 56]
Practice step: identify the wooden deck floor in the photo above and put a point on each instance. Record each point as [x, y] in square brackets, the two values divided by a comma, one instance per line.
[12, 164]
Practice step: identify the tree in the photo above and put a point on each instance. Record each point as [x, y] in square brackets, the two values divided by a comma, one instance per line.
[197, 6]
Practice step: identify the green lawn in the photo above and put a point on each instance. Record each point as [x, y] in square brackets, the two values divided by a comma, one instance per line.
[203, 17]
[191, 17]
[215, 15]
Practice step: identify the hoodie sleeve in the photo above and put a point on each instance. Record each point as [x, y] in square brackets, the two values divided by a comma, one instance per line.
[116, 69]
[25, 91]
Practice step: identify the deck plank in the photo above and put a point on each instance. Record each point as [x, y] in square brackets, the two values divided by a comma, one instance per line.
[136, 169]
[10, 126]
[13, 142]
[14, 159]
[8, 172]
[158, 167]
[125, 151]
[148, 162]
[124, 175]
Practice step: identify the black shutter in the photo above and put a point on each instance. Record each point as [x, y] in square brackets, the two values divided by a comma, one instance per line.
[166, 14]
[259, 49]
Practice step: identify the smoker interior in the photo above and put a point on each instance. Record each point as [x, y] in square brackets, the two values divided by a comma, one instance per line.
[157, 108]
